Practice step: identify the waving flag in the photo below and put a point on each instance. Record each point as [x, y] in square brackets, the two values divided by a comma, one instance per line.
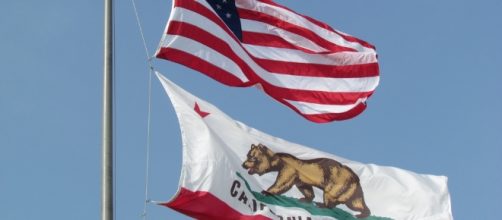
[321, 73]
[232, 171]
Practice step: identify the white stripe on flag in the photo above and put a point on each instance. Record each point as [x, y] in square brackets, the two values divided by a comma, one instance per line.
[313, 108]
[363, 84]
[292, 55]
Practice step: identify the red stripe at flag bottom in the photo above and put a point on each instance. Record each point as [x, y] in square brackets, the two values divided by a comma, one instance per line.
[204, 205]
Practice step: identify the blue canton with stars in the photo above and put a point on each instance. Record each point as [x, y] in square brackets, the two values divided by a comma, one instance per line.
[227, 11]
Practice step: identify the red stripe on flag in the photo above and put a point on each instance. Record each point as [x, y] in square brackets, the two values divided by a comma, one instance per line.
[282, 94]
[322, 25]
[261, 17]
[204, 205]
[318, 97]
[319, 70]
[328, 117]
[270, 40]
[198, 64]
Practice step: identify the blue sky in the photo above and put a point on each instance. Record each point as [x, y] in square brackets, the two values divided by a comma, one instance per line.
[437, 110]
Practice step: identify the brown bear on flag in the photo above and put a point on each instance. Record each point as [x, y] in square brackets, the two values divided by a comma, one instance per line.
[338, 182]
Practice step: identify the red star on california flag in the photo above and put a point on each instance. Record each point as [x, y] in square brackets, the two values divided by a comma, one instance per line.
[200, 112]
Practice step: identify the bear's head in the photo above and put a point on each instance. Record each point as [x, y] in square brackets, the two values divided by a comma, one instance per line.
[259, 160]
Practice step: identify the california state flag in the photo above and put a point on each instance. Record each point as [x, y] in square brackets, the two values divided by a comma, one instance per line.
[232, 171]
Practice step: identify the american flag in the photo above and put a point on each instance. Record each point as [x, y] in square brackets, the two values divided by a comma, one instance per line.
[319, 72]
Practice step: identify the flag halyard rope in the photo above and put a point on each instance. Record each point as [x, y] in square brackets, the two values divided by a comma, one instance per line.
[151, 70]
[140, 27]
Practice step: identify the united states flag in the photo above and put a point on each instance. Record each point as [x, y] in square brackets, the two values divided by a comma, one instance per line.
[319, 72]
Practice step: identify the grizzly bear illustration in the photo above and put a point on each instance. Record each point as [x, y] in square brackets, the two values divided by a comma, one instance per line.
[339, 183]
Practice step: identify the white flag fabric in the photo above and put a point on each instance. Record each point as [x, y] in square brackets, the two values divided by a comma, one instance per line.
[232, 171]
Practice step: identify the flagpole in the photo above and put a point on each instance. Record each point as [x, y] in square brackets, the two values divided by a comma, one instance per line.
[107, 135]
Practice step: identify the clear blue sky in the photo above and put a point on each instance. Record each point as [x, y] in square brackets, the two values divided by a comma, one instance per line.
[437, 110]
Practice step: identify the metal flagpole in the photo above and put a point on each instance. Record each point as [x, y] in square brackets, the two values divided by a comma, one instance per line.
[107, 142]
